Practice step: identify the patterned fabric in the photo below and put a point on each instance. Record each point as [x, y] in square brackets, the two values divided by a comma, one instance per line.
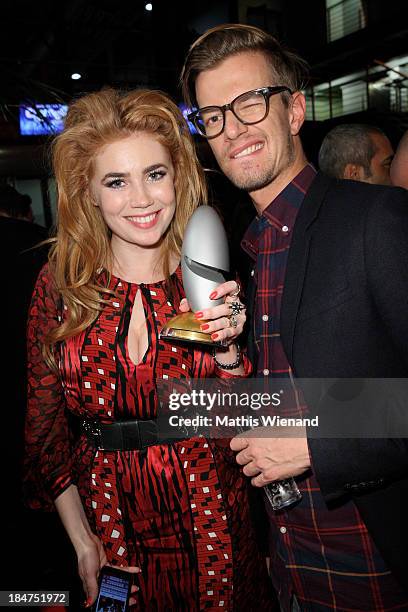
[267, 241]
[324, 555]
[176, 510]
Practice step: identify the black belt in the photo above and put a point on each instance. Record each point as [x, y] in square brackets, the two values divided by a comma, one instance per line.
[124, 435]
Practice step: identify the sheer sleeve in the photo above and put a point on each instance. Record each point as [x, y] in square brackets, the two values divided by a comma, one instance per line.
[47, 464]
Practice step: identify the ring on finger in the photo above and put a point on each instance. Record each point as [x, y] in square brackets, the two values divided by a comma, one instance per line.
[236, 308]
[233, 321]
[237, 290]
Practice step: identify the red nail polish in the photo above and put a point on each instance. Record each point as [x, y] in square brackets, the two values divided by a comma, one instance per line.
[214, 336]
[199, 315]
[204, 327]
[213, 295]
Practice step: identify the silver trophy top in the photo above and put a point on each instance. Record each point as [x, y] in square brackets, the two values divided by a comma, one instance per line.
[204, 257]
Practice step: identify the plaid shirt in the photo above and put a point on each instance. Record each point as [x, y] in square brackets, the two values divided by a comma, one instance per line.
[325, 556]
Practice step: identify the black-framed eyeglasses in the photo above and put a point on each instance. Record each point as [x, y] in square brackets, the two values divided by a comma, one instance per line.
[250, 107]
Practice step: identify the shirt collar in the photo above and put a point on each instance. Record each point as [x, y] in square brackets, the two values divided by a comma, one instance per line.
[281, 213]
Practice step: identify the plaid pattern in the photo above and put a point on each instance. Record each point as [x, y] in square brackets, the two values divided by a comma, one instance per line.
[267, 241]
[325, 556]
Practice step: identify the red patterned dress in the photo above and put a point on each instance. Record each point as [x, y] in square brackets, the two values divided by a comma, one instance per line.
[180, 510]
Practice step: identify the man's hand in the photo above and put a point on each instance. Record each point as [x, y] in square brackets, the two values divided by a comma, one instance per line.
[268, 459]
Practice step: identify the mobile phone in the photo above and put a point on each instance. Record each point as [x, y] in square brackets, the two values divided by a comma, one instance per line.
[114, 590]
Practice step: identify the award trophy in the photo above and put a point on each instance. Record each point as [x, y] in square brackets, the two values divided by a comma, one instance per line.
[204, 265]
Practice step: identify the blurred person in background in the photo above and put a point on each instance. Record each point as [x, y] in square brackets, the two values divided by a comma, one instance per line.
[358, 152]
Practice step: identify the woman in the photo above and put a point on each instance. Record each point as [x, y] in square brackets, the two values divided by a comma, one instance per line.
[128, 180]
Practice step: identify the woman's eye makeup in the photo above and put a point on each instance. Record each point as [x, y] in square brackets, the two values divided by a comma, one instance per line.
[156, 175]
[114, 183]
[118, 182]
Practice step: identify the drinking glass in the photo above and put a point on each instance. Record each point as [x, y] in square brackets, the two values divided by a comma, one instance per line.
[281, 493]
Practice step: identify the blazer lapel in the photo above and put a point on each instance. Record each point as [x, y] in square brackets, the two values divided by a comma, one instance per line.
[297, 260]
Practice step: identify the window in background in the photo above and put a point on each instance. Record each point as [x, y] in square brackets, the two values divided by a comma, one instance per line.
[339, 97]
[344, 17]
[388, 87]
[381, 87]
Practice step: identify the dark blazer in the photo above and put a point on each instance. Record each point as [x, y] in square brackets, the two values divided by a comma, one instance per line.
[345, 315]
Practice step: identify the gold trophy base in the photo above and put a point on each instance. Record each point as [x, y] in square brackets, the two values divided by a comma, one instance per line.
[185, 327]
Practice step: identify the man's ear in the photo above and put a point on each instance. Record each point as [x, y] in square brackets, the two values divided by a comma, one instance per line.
[354, 172]
[297, 112]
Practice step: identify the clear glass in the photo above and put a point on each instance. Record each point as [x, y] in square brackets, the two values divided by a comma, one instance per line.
[281, 493]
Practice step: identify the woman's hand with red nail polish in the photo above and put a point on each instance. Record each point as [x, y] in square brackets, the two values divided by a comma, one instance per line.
[219, 320]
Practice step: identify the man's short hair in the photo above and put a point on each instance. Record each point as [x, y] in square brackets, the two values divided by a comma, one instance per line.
[350, 143]
[223, 41]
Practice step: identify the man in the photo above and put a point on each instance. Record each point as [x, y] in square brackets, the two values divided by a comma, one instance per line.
[399, 166]
[358, 152]
[343, 271]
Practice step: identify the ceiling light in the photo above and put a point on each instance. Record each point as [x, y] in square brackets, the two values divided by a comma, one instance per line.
[149, 6]
[75, 76]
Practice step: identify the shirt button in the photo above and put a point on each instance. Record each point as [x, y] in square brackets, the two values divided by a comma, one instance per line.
[266, 372]
[265, 317]
[282, 529]
[285, 229]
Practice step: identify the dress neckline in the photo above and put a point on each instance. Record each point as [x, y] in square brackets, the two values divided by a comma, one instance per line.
[116, 279]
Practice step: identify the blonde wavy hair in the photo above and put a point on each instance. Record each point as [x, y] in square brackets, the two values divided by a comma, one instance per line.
[82, 243]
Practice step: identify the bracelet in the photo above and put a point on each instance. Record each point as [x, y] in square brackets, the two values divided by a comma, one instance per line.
[229, 366]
